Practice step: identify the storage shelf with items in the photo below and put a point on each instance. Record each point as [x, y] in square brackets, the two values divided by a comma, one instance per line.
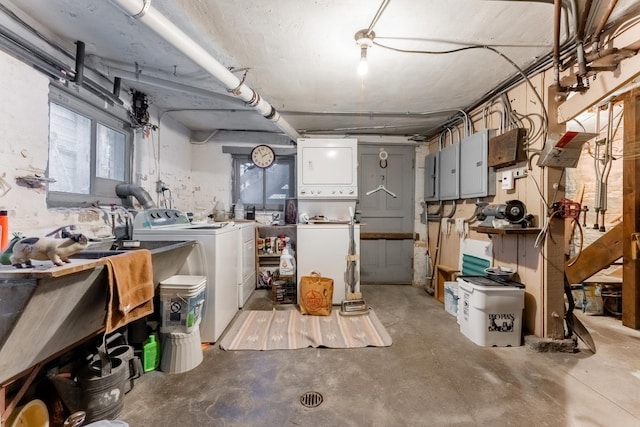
[270, 243]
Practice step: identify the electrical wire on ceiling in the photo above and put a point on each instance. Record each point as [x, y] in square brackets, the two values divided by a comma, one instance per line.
[486, 47]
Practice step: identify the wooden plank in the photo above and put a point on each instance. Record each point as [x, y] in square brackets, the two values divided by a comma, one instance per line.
[598, 255]
[389, 236]
[631, 212]
[46, 269]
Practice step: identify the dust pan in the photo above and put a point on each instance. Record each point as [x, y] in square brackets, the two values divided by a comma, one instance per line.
[354, 305]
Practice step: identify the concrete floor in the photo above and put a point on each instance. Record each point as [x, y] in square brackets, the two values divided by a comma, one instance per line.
[431, 375]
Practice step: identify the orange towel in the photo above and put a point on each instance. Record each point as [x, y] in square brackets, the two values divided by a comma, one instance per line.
[131, 288]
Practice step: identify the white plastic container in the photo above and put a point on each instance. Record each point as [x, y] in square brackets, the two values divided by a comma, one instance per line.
[451, 298]
[181, 301]
[287, 262]
[490, 314]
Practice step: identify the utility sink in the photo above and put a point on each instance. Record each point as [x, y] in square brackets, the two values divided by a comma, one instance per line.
[41, 316]
[166, 256]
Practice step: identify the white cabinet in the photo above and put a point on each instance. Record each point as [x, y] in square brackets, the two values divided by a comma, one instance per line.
[246, 262]
[324, 248]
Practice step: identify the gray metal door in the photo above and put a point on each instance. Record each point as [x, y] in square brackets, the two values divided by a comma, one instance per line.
[386, 233]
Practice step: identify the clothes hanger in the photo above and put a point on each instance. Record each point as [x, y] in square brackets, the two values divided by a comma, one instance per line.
[381, 187]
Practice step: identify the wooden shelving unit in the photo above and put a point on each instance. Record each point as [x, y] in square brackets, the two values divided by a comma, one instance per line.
[267, 264]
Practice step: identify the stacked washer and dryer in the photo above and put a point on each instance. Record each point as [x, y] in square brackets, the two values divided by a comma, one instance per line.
[216, 258]
[327, 189]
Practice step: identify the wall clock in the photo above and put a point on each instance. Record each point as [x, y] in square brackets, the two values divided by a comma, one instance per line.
[263, 156]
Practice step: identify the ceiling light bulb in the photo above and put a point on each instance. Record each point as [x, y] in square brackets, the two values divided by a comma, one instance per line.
[363, 66]
[364, 39]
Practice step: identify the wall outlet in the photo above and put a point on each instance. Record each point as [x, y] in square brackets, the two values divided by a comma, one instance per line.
[520, 172]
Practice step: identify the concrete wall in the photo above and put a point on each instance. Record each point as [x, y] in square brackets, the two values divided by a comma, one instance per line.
[198, 176]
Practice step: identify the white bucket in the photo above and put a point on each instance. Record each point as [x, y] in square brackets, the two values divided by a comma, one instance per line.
[181, 301]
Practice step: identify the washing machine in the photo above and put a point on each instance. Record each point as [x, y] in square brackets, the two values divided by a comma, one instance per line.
[219, 251]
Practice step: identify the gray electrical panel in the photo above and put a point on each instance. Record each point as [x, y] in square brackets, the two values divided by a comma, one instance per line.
[477, 179]
[448, 173]
[431, 181]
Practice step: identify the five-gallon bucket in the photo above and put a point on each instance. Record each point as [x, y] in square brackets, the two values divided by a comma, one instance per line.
[181, 301]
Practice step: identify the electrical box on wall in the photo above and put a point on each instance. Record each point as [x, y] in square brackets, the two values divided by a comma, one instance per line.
[564, 151]
[449, 172]
[477, 179]
[508, 148]
[431, 182]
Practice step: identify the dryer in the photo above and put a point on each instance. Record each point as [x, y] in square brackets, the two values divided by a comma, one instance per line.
[219, 249]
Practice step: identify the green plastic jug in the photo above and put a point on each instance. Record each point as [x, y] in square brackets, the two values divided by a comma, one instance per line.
[151, 354]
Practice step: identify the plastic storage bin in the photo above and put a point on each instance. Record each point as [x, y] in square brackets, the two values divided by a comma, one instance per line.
[451, 298]
[181, 301]
[490, 311]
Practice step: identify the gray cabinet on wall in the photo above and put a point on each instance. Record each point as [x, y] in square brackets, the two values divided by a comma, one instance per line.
[448, 174]
[431, 178]
[477, 179]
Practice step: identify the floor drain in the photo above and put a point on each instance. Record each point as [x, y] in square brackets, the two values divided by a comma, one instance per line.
[311, 399]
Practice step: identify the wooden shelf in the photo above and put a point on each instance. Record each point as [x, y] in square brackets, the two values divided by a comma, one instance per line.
[491, 230]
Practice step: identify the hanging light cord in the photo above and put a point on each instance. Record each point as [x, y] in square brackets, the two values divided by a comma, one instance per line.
[381, 9]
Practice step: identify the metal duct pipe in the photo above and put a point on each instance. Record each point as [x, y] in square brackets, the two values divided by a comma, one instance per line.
[125, 190]
[172, 34]
[79, 78]
[116, 86]
[557, 15]
[603, 21]
[579, 29]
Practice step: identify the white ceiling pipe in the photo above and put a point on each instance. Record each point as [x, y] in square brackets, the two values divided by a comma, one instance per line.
[167, 84]
[142, 11]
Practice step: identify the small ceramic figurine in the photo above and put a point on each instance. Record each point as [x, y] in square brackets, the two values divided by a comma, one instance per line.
[47, 248]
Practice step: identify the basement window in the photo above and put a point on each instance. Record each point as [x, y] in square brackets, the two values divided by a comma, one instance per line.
[89, 152]
[266, 189]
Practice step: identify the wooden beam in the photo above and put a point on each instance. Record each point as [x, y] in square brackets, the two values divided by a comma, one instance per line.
[553, 251]
[631, 211]
[597, 256]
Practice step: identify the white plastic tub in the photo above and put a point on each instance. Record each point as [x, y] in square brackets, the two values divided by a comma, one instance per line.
[451, 298]
[490, 315]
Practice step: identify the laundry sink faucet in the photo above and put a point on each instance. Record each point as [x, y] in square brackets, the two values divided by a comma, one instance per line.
[57, 233]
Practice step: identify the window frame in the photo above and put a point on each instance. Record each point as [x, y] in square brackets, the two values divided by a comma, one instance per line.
[101, 190]
[239, 159]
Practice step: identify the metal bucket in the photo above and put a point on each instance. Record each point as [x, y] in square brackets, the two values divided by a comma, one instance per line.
[103, 387]
[131, 362]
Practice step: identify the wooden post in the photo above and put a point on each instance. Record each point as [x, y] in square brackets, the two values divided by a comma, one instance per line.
[631, 212]
[553, 276]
